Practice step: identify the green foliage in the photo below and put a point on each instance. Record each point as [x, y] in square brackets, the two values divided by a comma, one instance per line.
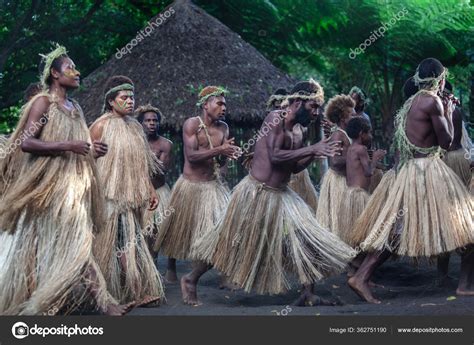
[314, 38]
[8, 118]
[305, 38]
[91, 30]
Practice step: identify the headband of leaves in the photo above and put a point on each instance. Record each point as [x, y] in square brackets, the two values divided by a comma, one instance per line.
[219, 91]
[48, 61]
[317, 95]
[429, 83]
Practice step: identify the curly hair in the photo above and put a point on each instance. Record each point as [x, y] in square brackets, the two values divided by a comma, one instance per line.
[336, 109]
[357, 125]
[148, 108]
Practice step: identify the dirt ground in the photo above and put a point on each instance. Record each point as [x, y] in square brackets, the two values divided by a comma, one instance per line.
[408, 290]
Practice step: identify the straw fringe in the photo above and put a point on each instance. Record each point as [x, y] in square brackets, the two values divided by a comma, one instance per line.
[155, 218]
[330, 196]
[124, 234]
[354, 201]
[375, 204]
[128, 160]
[267, 235]
[125, 172]
[197, 208]
[302, 185]
[49, 208]
[459, 164]
[431, 208]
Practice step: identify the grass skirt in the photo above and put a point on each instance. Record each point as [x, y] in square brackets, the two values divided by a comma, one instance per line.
[428, 212]
[354, 201]
[197, 208]
[128, 267]
[459, 164]
[302, 185]
[376, 202]
[156, 218]
[330, 197]
[269, 234]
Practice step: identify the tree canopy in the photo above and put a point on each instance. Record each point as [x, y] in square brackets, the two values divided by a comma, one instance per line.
[303, 38]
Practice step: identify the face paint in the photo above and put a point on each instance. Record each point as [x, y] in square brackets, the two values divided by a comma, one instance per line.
[71, 73]
[121, 104]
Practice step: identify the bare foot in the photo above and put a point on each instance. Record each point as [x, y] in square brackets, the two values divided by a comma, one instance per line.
[147, 301]
[118, 309]
[308, 299]
[464, 292]
[189, 291]
[171, 277]
[363, 290]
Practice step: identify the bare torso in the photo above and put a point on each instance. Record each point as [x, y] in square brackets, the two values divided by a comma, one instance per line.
[203, 170]
[338, 163]
[273, 174]
[426, 123]
[355, 172]
[161, 147]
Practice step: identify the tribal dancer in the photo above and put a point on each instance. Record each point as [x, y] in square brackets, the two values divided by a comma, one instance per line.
[199, 197]
[300, 182]
[151, 118]
[51, 204]
[340, 110]
[269, 233]
[379, 196]
[359, 170]
[125, 173]
[428, 211]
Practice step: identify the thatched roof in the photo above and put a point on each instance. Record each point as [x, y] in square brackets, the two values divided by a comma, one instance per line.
[191, 49]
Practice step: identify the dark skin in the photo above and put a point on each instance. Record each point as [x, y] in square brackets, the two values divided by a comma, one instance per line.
[360, 167]
[429, 123]
[199, 166]
[62, 81]
[123, 105]
[274, 160]
[161, 147]
[338, 163]
[198, 156]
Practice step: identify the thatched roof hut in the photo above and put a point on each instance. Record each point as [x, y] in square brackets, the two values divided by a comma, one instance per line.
[189, 50]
